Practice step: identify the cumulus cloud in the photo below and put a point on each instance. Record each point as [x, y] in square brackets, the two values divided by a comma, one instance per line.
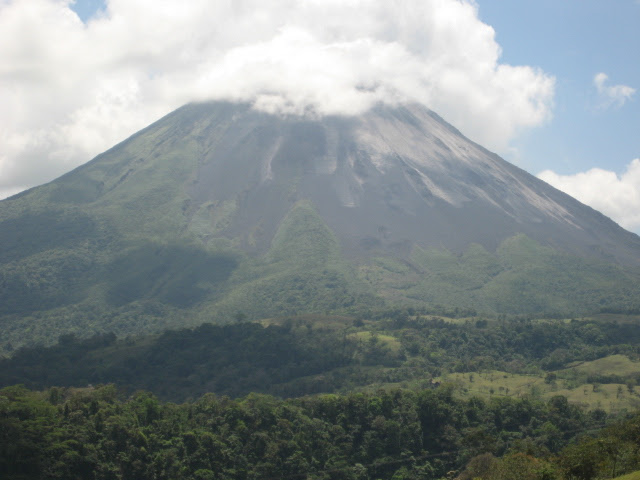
[616, 95]
[69, 90]
[617, 196]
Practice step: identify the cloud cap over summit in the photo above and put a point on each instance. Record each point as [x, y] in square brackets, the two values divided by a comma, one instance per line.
[93, 84]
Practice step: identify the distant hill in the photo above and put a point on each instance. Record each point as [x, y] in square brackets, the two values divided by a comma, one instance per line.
[217, 211]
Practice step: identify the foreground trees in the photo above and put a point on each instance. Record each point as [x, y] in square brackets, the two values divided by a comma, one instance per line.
[394, 434]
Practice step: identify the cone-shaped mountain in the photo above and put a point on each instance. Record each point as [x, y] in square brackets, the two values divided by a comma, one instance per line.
[217, 209]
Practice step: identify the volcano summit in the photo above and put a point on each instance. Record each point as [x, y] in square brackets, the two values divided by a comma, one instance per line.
[218, 209]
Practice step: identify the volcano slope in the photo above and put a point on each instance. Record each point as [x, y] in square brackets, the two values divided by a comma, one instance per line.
[219, 211]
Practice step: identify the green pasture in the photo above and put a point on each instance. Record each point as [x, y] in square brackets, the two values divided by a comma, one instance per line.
[570, 382]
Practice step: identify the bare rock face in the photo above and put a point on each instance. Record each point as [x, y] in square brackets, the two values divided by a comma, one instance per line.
[383, 182]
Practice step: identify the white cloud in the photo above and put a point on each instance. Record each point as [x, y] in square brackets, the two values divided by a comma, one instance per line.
[617, 196]
[70, 90]
[612, 95]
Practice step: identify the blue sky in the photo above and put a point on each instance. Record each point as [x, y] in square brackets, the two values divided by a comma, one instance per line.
[552, 86]
[87, 8]
[574, 40]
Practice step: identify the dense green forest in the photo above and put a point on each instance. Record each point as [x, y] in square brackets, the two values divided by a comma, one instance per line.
[296, 356]
[395, 434]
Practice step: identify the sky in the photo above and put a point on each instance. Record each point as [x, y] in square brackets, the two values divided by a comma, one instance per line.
[551, 85]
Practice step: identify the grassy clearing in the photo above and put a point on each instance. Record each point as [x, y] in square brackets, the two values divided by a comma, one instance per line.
[392, 343]
[315, 322]
[629, 476]
[611, 397]
[619, 365]
[494, 382]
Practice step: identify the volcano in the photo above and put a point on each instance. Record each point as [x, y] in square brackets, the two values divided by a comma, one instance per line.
[218, 210]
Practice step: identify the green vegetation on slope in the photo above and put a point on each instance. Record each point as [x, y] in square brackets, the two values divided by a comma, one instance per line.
[520, 277]
[302, 272]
